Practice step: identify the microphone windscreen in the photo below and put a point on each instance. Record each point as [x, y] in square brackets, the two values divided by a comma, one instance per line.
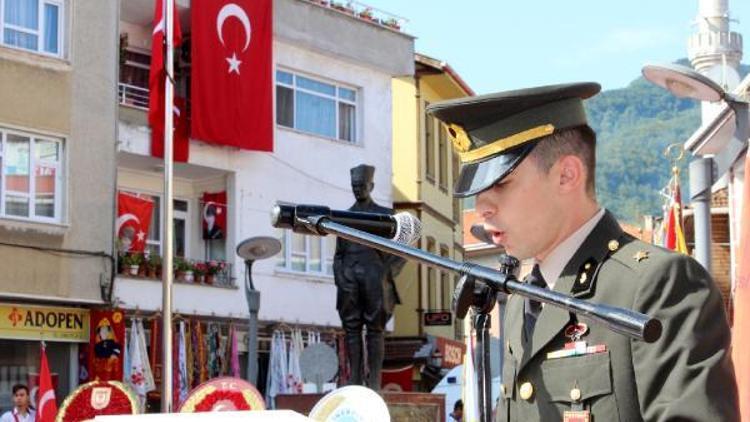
[408, 228]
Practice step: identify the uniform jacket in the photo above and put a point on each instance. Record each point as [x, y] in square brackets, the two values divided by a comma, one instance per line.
[685, 375]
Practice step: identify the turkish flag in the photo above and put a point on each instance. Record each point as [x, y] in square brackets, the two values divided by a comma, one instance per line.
[156, 77]
[675, 235]
[133, 221]
[214, 215]
[47, 404]
[181, 139]
[231, 85]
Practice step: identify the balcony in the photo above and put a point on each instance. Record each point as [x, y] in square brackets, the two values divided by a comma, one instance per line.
[132, 96]
[212, 273]
[364, 12]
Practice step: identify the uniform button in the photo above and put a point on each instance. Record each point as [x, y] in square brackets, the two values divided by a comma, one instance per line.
[613, 245]
[575, 394]
[526, 390]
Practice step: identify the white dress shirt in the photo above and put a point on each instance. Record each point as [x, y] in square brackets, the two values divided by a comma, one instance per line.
[14, 416]
[555, 262]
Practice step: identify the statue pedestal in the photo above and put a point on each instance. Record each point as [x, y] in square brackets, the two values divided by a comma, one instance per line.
[403, 407]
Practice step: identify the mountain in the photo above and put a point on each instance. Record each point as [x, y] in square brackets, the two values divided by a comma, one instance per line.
[634, 126]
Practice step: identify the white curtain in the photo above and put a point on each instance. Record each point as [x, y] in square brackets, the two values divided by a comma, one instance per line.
[25, 14]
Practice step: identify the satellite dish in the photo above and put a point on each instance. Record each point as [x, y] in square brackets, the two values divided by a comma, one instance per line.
[260, 247]
[353, 403]
[684, 82]
[318, 363]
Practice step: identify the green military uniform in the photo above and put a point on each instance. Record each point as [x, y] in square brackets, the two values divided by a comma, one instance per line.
[686, 374]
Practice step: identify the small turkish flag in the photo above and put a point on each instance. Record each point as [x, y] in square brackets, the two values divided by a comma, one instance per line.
[133, 221]
[231, 82]
[47, 404]
[214, 215]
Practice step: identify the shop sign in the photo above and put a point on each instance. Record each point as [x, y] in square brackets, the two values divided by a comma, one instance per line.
[31, 322]
[452, 351]
[437, 318]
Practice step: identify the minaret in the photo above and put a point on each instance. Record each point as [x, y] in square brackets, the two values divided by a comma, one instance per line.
[714, 50]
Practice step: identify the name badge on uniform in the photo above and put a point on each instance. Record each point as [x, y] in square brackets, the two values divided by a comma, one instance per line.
[576, 416]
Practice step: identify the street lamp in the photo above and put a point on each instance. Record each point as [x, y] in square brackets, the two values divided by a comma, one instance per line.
[684, 82]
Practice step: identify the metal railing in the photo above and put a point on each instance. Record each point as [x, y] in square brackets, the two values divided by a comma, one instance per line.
[131, 95]
[364, 12]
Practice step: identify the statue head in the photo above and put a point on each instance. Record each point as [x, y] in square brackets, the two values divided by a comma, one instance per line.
[362, 183]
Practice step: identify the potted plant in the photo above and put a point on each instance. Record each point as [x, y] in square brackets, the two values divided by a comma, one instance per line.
[153, 266]
[392, 23]
[132, 263]
[366, 14]
[200, 269]
[183, 269]
[341, 7]
[214, 268]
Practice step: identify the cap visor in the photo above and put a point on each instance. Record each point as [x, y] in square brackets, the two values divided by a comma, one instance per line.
[482, 175]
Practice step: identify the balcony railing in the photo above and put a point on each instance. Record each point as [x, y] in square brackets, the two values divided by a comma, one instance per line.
[134, 96]
[364, 12]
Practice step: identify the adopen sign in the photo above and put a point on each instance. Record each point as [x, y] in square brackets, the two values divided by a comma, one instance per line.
[30, 322]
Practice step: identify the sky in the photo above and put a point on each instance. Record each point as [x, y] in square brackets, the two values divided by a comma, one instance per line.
[497, 45]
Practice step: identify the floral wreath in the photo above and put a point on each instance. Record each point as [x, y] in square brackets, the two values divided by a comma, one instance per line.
[79, 406]
[211, 397]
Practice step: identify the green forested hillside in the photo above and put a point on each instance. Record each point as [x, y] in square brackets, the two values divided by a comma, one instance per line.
[634, 125]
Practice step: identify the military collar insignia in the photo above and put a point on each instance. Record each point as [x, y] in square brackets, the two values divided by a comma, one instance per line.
[586, 275]
[640, 256]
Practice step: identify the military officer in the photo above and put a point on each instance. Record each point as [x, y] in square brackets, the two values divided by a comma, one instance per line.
[529, 157]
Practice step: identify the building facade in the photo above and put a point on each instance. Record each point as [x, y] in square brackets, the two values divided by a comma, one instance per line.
[333, 108]
[57, 128]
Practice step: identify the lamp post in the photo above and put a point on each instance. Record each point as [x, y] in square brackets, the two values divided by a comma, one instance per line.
[684, 82]
[251, 250]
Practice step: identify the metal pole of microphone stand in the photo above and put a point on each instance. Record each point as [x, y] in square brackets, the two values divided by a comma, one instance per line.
[482, 327]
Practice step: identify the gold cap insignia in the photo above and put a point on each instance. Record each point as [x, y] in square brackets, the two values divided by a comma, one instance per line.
[460, 138]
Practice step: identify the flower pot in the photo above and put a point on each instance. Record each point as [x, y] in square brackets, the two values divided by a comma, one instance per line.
[188, 277]
[151, 273]
[133, 269]
[199, 278]
[210, 278]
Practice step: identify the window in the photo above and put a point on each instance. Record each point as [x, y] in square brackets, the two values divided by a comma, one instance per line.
[317, 107]
[306, 254]
[429, 149]
[456, 201]
[180, 226]
[32, 177]
[432, 289]
[34, 25]
[445, 282]
[443, 157]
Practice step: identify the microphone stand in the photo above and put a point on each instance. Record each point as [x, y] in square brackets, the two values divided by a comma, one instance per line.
[478, 289]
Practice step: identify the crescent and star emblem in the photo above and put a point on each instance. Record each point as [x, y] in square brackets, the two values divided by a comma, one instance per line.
[121, 220]
[233, 10]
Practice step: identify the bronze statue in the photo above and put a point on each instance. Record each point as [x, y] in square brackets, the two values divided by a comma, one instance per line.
[366, 291]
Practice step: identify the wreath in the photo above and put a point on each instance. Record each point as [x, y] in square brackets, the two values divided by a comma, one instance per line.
[223, 394]
[97, 398]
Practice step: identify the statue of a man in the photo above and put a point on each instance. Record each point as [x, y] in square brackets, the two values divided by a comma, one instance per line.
[366, 291]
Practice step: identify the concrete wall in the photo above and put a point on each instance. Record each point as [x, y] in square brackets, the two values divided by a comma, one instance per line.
[74, 99]
[343, 36]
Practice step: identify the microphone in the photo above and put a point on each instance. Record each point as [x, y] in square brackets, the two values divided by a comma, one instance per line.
[402, 227]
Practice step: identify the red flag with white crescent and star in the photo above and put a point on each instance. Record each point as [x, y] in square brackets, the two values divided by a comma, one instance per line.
[231, 83]
[156, 80]
[46, 406]
[133, 221]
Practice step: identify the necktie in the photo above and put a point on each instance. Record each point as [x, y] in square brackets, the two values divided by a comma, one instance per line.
[532, 307]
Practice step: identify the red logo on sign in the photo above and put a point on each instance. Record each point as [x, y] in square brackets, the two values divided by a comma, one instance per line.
[15, 317]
